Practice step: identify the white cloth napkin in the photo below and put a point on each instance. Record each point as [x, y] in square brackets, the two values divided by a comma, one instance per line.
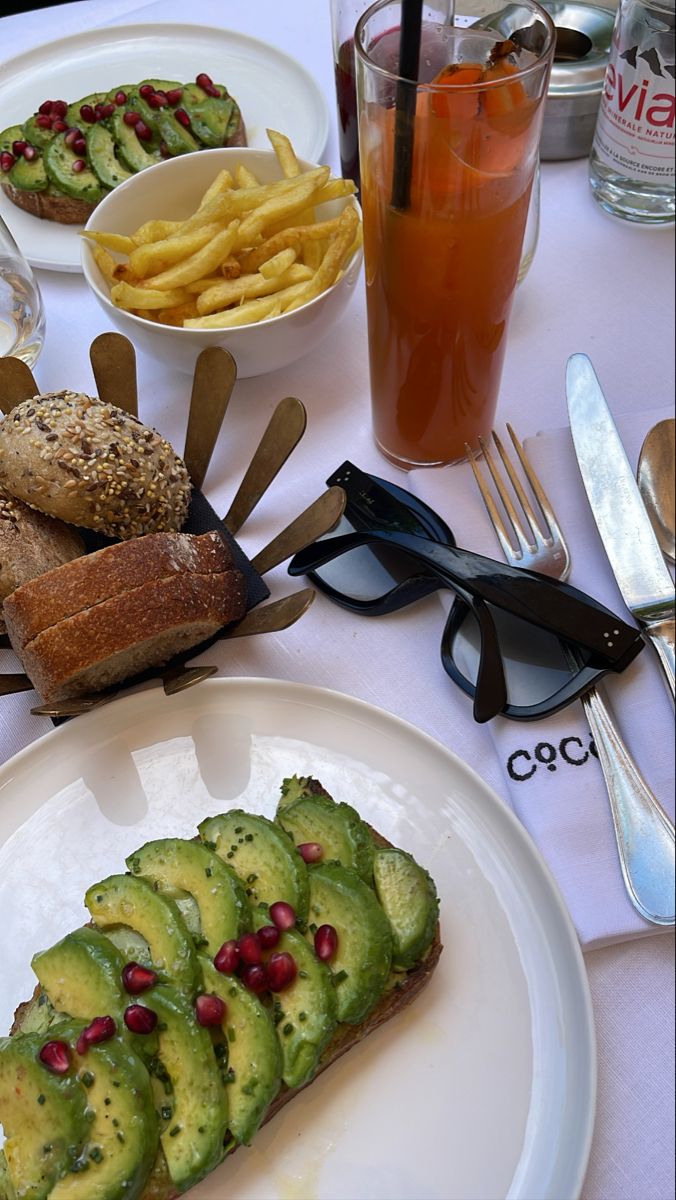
[554, 782]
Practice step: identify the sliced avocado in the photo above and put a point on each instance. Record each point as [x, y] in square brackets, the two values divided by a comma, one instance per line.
[6, 1186]
[125, 900]
[409, 899]
[210, 116]
[101, 155]
[13, 133]
[176, 866]
[123, 1139]
[338, 829]
[130, 150]
[175, 136]
[195, 1104]
[263, 856]
[81, 975]
[30, 176]
[35, 134]
[254, 1056]
[59, 161]
[306, 1012]
[362, 961]
[44, 1116]
[73, 117]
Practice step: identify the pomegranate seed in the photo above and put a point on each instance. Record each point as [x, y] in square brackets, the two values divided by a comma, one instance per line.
[101, 1029]
[137, 979]
[157, 101]
[98, 111]
[60, 108]
[326, 942]
[212, 90]
[311, 852]
[120, 98]
[140, 1019]
[182, 117]
[281, 971]
[59, 126]
[227, 959]
[79, 165]
[72, 135]
[107, 110]
[255, 978]
[18, 148]
[46, 107]
[283, 914]
[250, 949]
[174, 95]
[55, 1056]
[164, 150]
[204, 81]
[87, 113]
[30, 153]
[43, 122]
[146, 90]
[210, 1009]
[268, 936]
[80, 145]
[143, 132]
[7, 160]
[131, 118]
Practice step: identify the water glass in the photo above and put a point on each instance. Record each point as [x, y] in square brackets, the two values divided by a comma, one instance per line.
[22, 318]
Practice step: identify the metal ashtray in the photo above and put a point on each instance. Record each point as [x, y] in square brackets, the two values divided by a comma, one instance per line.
[583, 38]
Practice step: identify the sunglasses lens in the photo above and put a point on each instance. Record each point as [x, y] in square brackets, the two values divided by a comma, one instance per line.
[542, 674]
[367, 574]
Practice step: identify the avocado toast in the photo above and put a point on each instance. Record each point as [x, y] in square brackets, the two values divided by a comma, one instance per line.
[217, 978]
[65, 157]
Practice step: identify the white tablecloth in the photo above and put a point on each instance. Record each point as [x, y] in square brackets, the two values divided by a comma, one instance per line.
[598, 286]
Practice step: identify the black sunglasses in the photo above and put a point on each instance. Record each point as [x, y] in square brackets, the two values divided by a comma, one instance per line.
[517, 642]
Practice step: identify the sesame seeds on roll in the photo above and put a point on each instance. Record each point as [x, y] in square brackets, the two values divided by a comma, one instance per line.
[91, 464]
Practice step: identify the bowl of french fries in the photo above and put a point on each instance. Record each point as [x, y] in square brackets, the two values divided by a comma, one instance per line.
[253, 250]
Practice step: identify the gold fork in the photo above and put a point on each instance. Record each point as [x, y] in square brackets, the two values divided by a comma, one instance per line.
[643, 830]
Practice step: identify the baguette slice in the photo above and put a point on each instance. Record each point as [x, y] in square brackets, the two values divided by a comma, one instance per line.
[124, 635]
[345, 1037]
[30, 544]
[88, 581]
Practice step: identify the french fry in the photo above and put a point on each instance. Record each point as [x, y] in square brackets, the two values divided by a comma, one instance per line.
[279, 263]
[200, 263]
[231, 268]
[286, 155]
[222, 183]
[125, 295]
[290, 236]
[157, 256]
[248, 287]
[178, 314]
[153, 231]
[282, 206]
[105, 262]
[332, 262]
[248, 313]
[244, 178]
[110, 241]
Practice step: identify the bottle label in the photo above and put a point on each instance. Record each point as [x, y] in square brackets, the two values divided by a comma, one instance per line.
[635, 127]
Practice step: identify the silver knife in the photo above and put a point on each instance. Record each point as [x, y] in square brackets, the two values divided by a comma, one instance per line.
[623, 523]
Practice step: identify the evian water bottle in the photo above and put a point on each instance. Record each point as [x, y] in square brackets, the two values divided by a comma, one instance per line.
[632, 159]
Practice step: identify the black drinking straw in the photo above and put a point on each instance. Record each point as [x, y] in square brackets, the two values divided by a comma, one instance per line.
[404, 125]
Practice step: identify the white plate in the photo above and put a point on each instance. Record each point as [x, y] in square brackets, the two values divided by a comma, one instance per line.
[485, 1087]
[271, 88]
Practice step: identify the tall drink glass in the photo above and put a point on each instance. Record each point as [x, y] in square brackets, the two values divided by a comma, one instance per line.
[443, 237]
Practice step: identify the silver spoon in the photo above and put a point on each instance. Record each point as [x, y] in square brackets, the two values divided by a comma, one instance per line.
[656, 483]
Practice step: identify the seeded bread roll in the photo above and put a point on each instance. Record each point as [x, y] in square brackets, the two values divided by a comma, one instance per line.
[62, 593]
[128, 633]
[30, 544]
[73, 456]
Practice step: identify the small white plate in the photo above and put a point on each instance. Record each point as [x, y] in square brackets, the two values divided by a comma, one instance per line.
[485, 1087]
[271, 88]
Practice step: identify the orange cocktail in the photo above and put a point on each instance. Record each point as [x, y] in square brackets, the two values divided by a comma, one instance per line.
[441, 271]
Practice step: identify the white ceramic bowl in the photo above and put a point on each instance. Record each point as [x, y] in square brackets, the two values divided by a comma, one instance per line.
[172, 190]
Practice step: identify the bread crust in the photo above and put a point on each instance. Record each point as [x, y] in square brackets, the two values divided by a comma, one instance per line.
[139, 628]
[91, 464]
[62, 593]
[30, 544]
